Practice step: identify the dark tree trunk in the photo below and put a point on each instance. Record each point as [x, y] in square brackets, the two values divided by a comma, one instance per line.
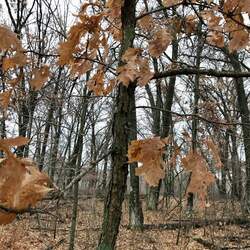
[48, 123]
[236, 168]
[55, 145]
[92, 182]
[75, 162]
[135, 208]
[245, 119]
[154, 192]
[104, 175]
[224, 169]
[200, 44]
[120, 132]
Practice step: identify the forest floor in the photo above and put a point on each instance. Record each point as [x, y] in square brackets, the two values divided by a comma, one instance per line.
[37, 232]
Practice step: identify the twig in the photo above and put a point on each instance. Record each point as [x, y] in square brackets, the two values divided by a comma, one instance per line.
[55, 245]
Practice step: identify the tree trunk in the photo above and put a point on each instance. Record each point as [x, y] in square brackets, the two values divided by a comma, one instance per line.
[76, 163]
[236, 168]
[154, 192]
[196, 108]
[120, 132]
[48, 123]
[135, 208]
[55, 145]
[104, 175]
[245, 119]
[224, 169]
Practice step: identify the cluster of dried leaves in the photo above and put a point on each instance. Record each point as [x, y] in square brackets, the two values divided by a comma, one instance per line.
[14, 60]
[150, 152]
[95, 29]
[22, 185]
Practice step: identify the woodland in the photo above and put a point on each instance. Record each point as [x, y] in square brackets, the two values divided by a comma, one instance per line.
[124, 124]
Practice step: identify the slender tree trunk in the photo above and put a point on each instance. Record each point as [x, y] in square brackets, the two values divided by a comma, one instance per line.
[54, 150]
[224, 169]
[167, 121]
[48, 124]
[245, 119]
[104, 174]
[154, 192]
[117, 184]
[169, 177]
[235, 165]
[76, 163]
[2, 122]
[92, 182]
[196, 108]
[135, 208]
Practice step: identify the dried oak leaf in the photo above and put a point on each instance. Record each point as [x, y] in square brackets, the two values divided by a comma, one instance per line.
[96, 83]
[131, 55]
[245, 6]
[34, 186]
[11, 174]
[216, 38]
[201, 178]
[146, 23]
[13, 82]
[239, 39]
[127, 73]
[40, 76]
[213, 21]
[5, 99]
[81, 68]
[190, 24]
[169, 3]
[161, 40]
[19, 59]
[144, 75]
[21, 183]
[136, 67]
[17, 141]
[114, 8]
[9, 40]
[149, 152]
[215, 152]
[86, 25]
[231, 6]
[67, 48]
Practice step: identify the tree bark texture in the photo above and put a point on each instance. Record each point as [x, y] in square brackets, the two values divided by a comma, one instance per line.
[120, 132]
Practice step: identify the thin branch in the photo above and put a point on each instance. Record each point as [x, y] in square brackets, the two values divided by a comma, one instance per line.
[192, 115]
[82, 174]
[29, 210]
[195, 71]
[10, 14]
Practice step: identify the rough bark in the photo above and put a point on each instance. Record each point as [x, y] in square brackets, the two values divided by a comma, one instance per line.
[196, 90]
[154, 192]
[135, 208]
[245, 119]
[236, 168]
[224, 169]
[120, 132]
